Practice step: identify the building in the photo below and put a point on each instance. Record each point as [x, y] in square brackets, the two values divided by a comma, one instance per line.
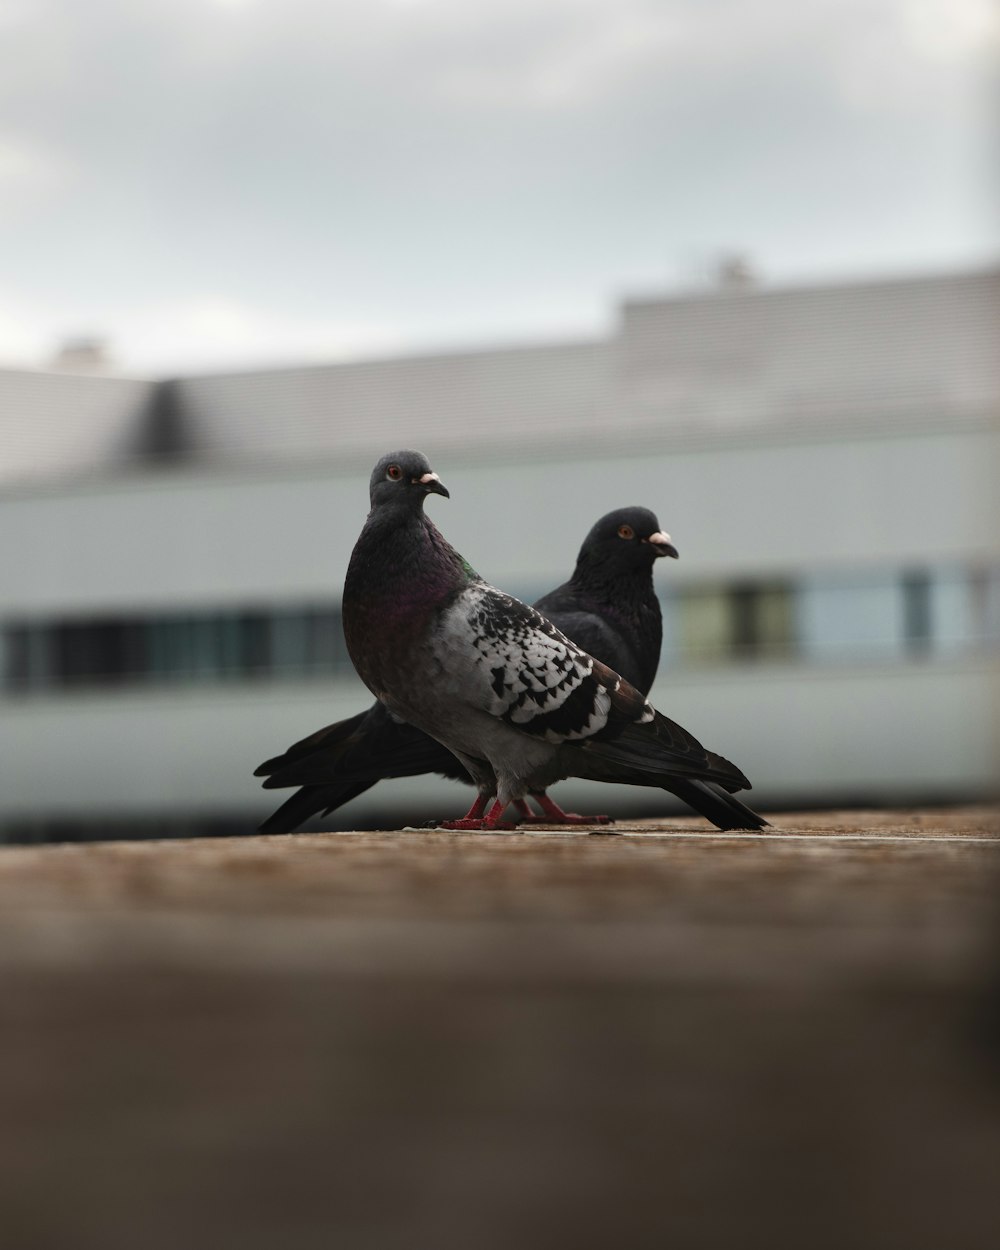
[825, 458]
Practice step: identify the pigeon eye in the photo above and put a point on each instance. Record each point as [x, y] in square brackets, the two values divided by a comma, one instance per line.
[394, 473]
[626, 531]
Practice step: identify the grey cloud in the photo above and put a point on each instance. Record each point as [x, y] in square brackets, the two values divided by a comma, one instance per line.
[401, 160]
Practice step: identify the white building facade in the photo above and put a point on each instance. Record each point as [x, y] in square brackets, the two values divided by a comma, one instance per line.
[172, 553]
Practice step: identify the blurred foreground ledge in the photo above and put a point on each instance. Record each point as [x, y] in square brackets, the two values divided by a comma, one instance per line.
[668, 1036]
[362, 901]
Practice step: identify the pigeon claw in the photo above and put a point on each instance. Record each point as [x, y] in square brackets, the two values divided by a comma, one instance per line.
[474, 818]
[484, 826]
[553, 814]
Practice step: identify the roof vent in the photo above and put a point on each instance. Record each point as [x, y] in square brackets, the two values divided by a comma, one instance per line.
[82, 355]
[734, 272]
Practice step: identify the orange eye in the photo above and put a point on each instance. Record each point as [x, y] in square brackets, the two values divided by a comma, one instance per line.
[394, 473]
[626, 531]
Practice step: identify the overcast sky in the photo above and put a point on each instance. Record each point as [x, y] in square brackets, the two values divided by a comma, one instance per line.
[210, 183]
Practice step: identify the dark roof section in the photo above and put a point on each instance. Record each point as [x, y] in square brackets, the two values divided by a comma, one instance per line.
[162, 437]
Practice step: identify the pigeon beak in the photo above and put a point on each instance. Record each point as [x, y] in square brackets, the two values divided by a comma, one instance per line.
[661, 544]
[432, 484]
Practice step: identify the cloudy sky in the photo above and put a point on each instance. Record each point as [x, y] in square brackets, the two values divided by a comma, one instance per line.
[210, 183]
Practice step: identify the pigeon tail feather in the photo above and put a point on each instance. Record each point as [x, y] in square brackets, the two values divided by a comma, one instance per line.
[640, 752]
[716, 805]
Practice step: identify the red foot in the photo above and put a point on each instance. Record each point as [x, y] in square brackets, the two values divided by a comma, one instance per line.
[553, 814]
[482, 825]
[474, 818]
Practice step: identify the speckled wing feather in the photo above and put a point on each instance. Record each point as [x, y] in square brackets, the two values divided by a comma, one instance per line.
[530, 675]
[600, 638]
[526, 672]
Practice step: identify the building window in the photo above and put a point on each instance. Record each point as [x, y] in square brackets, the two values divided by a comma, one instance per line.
[741, 621]
[26, 657]
[702, 625]
[823, 617]
[917, 623]
[984, 606]
[844, 616]
[762, 620]
[112, 650]
[954, 623]
[183, 649]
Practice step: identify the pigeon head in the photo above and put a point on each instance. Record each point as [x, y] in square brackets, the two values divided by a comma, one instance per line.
[628, 538]
[404, 479]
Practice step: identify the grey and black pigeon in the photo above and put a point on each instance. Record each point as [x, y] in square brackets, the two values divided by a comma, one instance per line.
[608, 607]
[518, 703]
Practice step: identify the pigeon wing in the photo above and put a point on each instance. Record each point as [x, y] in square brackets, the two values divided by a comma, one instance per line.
[512, 662]
[516, 665]
[597, 637]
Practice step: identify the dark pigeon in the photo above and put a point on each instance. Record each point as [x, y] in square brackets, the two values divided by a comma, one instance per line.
[518, 703]
[608, 607]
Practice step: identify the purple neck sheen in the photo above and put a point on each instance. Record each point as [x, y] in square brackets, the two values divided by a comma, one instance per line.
[413, 596]
[399, 575]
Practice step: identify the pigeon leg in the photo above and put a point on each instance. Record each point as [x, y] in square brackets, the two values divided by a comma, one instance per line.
[553, 814]
[475, 819]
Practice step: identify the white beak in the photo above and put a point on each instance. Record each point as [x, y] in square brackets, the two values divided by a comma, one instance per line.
[662, 543]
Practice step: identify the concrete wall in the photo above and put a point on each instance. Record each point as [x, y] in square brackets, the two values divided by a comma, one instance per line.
[201, 539]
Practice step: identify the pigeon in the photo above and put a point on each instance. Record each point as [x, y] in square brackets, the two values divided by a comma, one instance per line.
[518, 703]
[608, 607]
